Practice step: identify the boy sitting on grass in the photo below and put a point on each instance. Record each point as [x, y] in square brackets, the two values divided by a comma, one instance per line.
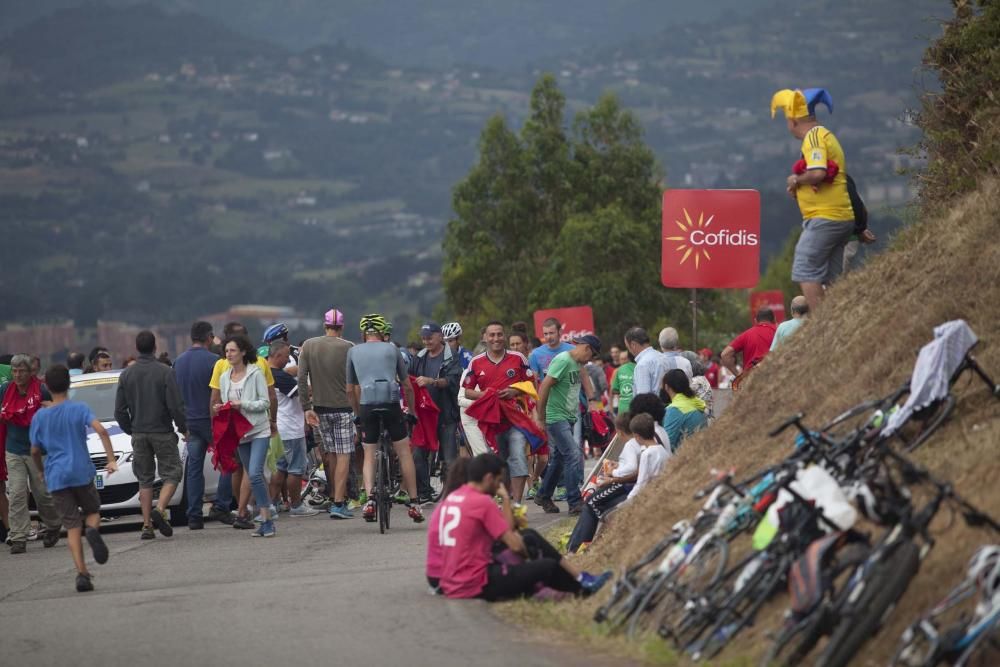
[60, 433]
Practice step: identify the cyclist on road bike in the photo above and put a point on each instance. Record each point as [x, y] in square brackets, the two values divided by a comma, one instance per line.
[375, 374]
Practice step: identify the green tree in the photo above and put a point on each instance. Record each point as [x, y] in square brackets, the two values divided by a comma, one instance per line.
[961, 121]
[548, 218]
[485, 243]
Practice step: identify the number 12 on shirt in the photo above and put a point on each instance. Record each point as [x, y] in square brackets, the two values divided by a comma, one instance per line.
[447, 522]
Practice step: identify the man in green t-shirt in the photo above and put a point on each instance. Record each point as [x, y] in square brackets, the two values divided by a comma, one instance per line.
[621, 384]
[558, 400]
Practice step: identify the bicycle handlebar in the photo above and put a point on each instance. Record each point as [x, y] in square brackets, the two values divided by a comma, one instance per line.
[794, 420]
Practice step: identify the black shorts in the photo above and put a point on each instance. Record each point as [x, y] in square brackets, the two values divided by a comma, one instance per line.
[76, 503]
[391, 417]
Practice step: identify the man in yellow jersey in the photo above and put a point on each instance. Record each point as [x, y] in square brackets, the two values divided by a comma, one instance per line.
[821, 192]
[237, 478]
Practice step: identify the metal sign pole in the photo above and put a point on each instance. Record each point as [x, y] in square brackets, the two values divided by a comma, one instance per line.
[694, 318]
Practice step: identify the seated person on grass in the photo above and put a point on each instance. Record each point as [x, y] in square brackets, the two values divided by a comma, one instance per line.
[613, 486]
[468, 524]
[654, 457]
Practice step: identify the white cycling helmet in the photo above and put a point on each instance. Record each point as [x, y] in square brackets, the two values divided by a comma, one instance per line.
[451, 330]
[984, 568]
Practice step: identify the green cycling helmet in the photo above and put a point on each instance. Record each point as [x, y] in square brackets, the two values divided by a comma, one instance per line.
[373, 323]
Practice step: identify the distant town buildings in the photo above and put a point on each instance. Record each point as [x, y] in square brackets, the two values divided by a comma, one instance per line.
[52, 341]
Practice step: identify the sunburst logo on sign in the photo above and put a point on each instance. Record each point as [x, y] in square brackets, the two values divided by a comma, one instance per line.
[686, 243]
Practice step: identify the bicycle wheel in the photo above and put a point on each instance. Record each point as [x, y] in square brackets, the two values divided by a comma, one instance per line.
[657, 588]
[884, 584]
[625, 594]
[740, 610]
[794, 642]
[692, 582]
[932, 420]
[381, 491]
[391, 489]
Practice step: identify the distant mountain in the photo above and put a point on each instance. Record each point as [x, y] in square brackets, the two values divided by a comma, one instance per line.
[437, 33]
[98, 45]
[158, 165]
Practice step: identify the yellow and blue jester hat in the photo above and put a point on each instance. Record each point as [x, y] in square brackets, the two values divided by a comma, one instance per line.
[800, 103]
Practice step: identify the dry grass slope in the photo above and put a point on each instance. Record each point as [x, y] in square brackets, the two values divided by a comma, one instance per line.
[862, 344]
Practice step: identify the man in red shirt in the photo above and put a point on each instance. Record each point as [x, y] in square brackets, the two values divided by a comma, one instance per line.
[468, 525]
[499, 368]
[754, 343]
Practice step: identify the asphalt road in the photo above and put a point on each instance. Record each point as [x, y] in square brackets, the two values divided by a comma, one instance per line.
[321, 592]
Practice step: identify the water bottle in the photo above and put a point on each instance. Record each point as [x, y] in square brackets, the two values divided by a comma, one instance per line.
[747, 574]
[726, 516]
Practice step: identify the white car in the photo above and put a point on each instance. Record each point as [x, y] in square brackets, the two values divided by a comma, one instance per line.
[120, 492]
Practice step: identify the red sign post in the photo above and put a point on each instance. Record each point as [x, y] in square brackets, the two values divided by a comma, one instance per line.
[576, 321]
[773, 299]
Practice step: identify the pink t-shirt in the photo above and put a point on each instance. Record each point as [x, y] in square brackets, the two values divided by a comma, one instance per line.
[435, 558]
[467, 526]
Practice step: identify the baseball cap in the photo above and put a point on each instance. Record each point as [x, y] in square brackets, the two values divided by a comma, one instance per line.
[590, 339]
[333, 318]
[706, 351]
[430, 328]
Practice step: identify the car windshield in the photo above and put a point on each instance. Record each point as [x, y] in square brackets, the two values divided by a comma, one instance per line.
[99, 396]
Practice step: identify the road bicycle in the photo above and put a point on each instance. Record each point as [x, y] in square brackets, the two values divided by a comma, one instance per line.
[855, 612]
[386, 473]
[929, 642]
[699, 558]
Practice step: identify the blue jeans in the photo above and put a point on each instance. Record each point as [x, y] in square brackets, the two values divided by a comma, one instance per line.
[565, 463]
[224, 493]
[253, 454]
[199, 437]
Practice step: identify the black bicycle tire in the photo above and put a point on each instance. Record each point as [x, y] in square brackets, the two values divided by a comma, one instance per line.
[803, 634]
[380, 491]
[697, 618]
[389, 499]
[685, 591]
[946, 407]
[813, 627]
[758, 591]
[654, 588]
[626, 597]
[886, 583]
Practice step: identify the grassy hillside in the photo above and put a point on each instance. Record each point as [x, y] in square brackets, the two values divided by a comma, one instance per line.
[861, 344]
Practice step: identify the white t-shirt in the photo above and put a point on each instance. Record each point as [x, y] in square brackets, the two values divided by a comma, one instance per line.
[651, 463]
[628, 460]
[291, 418]
[236, 389]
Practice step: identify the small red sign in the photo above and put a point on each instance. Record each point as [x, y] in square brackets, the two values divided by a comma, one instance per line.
[576, 321]
[711, 238]
[773, 299]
